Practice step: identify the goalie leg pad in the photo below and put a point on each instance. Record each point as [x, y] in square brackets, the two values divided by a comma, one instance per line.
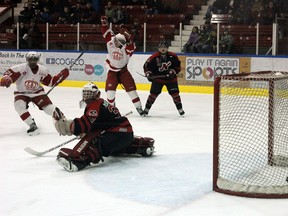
[66, 158]
[141, 145]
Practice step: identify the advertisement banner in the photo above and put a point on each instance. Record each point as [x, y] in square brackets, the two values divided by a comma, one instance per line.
[10, 58]
[90, 67]
[207, 68]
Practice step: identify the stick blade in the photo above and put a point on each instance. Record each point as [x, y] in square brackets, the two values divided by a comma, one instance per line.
[33, 152]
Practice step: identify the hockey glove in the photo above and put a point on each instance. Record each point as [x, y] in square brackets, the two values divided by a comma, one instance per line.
[172, 74]
[148, 74]
[127, 34]
[60, 77]
[64, 126]
[6, 81]
[57, 114]
[104, 20]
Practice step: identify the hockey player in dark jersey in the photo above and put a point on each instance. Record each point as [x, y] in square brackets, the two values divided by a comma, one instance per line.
[103, 131]
[161, 69]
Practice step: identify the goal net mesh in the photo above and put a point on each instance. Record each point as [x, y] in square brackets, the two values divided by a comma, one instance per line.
[251, 126]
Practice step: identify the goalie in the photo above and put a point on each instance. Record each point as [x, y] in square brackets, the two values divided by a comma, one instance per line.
[28, 78]
[103, 131]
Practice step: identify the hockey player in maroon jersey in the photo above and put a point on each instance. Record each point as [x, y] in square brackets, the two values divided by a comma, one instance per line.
[120, 48]
[161, 69]
[103, 131]
[28, 78]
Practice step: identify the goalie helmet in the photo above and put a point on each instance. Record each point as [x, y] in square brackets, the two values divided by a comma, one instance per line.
[89, 91]
[32, 58]
[120, 38]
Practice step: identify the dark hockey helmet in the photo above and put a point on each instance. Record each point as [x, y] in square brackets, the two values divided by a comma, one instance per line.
[163, 43]
[163, 47]
[89, 91]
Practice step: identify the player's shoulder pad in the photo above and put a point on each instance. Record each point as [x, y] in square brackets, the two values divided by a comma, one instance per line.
[154, 55]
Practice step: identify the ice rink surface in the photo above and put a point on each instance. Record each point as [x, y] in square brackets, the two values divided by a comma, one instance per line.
[177, 180]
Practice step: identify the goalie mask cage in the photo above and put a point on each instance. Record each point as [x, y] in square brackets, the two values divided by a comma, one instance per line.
[250, 152]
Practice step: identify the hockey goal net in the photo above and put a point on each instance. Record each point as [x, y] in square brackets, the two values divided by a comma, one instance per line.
[250, 156]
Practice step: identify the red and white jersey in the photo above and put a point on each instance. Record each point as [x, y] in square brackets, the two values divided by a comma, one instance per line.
[28, 81]
[117, 58]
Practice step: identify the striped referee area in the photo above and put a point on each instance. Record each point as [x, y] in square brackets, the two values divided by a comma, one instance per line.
[144, 87]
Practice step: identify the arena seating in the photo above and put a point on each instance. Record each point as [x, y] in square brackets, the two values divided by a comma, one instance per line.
[7, 38]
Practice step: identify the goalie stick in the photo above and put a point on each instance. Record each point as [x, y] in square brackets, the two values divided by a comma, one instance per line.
[39, 154]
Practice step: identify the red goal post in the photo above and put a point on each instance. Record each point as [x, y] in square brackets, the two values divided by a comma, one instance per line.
[250, 137]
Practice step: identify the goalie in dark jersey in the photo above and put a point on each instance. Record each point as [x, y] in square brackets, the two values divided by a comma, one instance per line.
[103, 131]
[161, 69]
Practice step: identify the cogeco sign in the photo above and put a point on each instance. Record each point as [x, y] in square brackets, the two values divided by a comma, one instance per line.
[64, 61]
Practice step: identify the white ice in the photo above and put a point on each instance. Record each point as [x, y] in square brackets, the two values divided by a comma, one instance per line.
[177, 180]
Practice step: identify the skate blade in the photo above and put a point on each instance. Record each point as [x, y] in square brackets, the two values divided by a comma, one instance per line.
[34, 133]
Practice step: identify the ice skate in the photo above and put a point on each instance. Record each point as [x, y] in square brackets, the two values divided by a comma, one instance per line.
[67, 165]
[33, 130]
[181, 112]
[140, 111]
[146, 111]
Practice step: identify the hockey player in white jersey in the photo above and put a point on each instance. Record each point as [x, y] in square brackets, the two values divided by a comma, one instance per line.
[120, 48]
[28, 78]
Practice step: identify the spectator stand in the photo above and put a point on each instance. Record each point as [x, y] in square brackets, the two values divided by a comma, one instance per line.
[246, 38]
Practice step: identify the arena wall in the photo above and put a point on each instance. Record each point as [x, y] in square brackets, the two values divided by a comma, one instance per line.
[197, 74]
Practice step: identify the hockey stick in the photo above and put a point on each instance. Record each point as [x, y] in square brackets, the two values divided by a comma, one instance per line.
[58, 81]
[155, 77]
[39, 154]
[61, 77]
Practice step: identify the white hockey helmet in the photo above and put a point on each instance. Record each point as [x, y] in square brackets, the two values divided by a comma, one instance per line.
[32, 55]
[120, 38]
[89, 91]
[32, 58]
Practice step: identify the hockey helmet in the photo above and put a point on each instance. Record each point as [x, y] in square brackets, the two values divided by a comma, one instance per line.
[32, 58]
[163, 47]
[32, 55]
[89, 91]
[163, 43]
[120, 38]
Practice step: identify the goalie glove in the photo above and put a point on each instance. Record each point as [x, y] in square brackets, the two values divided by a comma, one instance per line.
[64, 126]
[6, 81]
[57, 114]
[104, 20]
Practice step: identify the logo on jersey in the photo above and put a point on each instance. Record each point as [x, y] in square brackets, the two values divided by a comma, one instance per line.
[92, 113]
[31, 85]
[165, 66]
[117, 56]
